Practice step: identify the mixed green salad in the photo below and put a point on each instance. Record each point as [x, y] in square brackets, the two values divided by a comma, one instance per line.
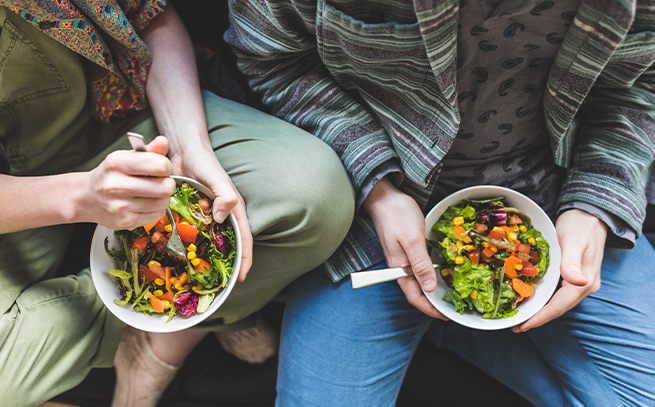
[153, 282]
[492, 255]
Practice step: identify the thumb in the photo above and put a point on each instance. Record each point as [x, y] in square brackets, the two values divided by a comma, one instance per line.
[159, 145]
[571, 267]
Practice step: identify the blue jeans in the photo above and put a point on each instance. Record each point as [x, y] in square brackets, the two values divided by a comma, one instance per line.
[345, 347]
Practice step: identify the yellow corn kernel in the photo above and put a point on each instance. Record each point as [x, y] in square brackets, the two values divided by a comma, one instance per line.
[444, 272]
[166, 304]
[155, 262]
[523, 228]
[515, 228]
[191, 255]
[459, 220]
[512, 236]
[474, 294]
[183, 222]
[158, 293]
[498, 228]
[459, 260]
[518, 266]
[532, 242]
[159, 281]
[178, 287]
[195, 261]
[493, 249]
[198, 287]
[470, 248]
[459, 244]
[192, 247]
[168, 228]
[485, 244]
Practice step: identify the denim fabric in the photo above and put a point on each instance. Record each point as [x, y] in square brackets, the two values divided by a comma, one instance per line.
[345, 347]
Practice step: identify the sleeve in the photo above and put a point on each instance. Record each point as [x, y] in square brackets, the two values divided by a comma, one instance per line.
[5, 167]
[614, 153]
[275, 42]
[620, 235]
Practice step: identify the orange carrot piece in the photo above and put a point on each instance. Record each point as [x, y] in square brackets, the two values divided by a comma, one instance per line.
[497, 234]
[167, 274]
[202, 266]
[149, 226]
[156, 303]
[458, 231]
[510, 271]
[183, 278]
[524, 289]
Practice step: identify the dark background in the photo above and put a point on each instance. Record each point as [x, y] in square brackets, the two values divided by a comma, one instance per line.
[211, 377]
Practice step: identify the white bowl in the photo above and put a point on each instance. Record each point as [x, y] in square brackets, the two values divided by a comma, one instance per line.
[108, 291]
[545, 286]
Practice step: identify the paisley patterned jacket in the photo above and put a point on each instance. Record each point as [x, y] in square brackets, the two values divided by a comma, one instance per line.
[375, 79]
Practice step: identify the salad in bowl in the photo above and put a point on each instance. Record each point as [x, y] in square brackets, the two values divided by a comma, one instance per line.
[497, 255]
[152, 290]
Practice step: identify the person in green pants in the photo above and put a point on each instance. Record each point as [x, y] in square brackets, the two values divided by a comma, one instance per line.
[73, 80]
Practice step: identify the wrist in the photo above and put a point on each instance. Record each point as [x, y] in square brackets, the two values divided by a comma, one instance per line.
[75, 208]
[377, 193]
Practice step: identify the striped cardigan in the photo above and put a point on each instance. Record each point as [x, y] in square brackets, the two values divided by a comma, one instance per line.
[375, 79]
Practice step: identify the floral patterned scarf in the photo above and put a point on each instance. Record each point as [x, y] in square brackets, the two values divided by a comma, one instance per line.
[105, 33]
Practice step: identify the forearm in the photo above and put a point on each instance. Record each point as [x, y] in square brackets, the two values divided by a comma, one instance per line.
[611, 164]
[277, 51]
[173, 87]
[31, 202]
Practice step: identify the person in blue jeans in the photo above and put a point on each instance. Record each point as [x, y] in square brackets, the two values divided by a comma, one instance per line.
[422, 98]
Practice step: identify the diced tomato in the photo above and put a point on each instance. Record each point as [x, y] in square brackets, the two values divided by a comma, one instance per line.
[487, 254]
[497, 234]
[528, 269]
[523, 248]
[480, 227]
[160, 226]
[534, 257]
[141, 243]
[187, 232]
[161, 244]
[167, 296]
[147, 275]
[158, 271]
[514, 220]
[474, 256]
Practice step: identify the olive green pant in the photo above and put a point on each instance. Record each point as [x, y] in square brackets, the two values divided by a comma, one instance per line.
[53, 326]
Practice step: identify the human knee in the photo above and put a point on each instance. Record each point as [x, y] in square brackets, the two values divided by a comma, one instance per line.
[322, 198]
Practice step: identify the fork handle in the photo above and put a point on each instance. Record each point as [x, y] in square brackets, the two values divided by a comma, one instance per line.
[371, 277]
